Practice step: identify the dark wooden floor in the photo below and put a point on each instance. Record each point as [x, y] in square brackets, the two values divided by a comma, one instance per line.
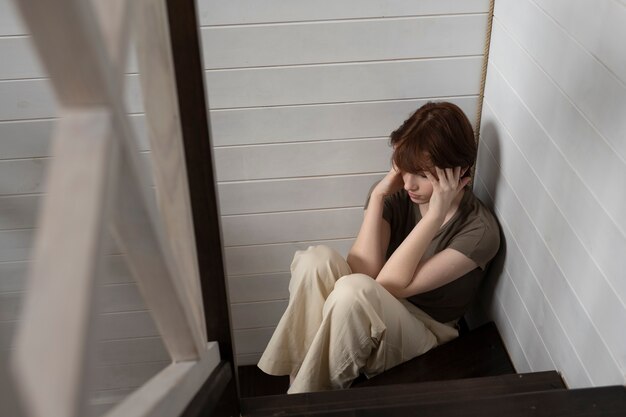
[253, 382]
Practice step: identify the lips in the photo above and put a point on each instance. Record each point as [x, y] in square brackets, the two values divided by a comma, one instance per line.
[414, 196]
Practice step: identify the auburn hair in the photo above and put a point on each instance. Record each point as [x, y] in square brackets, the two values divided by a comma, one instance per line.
[436, 135]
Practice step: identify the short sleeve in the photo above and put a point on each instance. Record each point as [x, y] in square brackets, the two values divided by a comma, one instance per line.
[479, 241]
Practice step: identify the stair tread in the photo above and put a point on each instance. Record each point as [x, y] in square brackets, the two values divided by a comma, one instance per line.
[391, 395]
[478, 353]
[585, 402]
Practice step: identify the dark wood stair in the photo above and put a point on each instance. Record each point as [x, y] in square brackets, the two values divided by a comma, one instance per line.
[392, 395]
[469, 376]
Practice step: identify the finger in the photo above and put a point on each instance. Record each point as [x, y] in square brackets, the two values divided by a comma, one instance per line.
[464, 182]
[431, 178]
[457, 173]
[441, 174]
[450, 175]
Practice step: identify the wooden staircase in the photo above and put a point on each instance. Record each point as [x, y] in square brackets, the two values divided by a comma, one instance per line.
[470, 376]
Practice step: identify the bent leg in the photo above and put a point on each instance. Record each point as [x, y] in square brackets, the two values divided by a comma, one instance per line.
[364, 328]
[313, 275]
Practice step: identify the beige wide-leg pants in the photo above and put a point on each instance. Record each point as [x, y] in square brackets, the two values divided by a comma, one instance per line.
[338, 324]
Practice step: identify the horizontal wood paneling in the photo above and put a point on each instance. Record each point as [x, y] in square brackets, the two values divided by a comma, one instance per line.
[551, 162]
[18, 212]
[251, 341]
[213, 12]
[126, 375]
[302, 159]
[264, 196]
[135, 350]
[34, 98]
[260, 287]
[344, 41]
[318, 122]
[593, 88]
[31, 138]
[259, 314]
[255, 229]
[585, 21]
[260, 259]
[542, 245]
[314, 84]
[23, 62]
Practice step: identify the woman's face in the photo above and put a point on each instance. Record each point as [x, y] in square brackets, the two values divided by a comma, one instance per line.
[418, 186]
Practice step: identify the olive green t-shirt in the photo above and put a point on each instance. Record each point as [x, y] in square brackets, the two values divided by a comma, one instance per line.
[473, 231]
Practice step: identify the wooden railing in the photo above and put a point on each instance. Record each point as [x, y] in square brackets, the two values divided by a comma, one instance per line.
[95, 182]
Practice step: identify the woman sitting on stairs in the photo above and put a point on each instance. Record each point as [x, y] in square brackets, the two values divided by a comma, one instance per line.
[412, 272]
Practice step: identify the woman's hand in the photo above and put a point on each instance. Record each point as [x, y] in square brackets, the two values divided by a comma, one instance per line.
[445, 189]
[391, 183]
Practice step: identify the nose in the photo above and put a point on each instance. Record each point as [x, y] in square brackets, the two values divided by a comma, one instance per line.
[410, 183]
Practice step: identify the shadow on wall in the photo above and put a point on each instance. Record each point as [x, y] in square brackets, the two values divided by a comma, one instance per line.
[486, 190]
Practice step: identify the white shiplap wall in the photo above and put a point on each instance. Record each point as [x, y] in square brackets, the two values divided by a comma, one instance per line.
[552, 163]
[303, 96]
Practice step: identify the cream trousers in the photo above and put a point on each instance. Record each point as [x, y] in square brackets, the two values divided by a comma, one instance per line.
[339, 324]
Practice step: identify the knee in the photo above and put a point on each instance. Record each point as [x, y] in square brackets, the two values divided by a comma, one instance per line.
[351, 290]
[318, 257]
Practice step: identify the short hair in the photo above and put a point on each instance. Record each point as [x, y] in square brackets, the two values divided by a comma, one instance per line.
[437, 134]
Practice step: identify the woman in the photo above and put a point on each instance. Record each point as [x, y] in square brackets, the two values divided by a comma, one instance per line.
[412, 272]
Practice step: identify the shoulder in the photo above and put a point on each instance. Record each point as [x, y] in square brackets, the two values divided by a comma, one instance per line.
[477, 233]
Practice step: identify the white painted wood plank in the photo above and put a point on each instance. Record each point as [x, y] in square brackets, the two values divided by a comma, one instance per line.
[302, 159]
[23, 176]
[125, 325]
[252, 341]
[582, 279]
[258, 314]
[16, 245]
[18, 212]
[27, 99]
[601, 236]
[262, 287]
[550, 328]
[568, 138]
[170, 392]
[128, 375]
[314, 84]
[27, 176]
[213, 12]
[248, 359]
[591, 86]
[12, 276]
[509, 337]
[265, 196]
[34, 98]
[318, 122]
[599, 26]
[10, 20]
[10, 305]
[31, 138]
[567, 306]
[259, 259]
[119, 297]
[534, 349]
[20, 59]
[26, 139]
[136, 350]
[345, 41]
[256, 229]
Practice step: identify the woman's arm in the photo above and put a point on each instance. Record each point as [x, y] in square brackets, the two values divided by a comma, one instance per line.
[367, 255]
[401, 270]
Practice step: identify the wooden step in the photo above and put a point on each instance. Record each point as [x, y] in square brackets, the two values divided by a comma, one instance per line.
[587, 402]
[434, 391]
[479, 352]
